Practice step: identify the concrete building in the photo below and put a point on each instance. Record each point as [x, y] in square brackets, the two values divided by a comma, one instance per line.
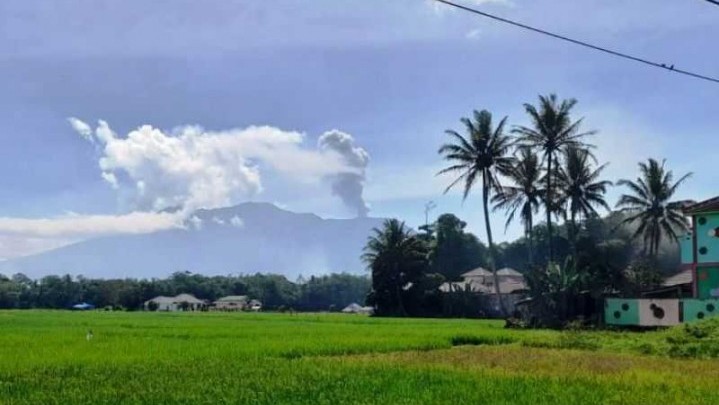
[699, 269]
[231, 303]
[481, 280]
[181, 302]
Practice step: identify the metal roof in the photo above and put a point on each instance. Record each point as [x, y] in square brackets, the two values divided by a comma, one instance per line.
[478, 272]
[683, 277]
[232, 298]
[509, 272]
[710, 205]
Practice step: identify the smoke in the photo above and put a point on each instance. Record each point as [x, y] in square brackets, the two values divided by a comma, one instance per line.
[190, 167]
[347, 185]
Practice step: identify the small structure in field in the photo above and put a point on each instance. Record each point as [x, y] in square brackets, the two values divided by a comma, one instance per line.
[255, 305]
[83, 306]
[355, 308]
[231, 303]
[181, 302]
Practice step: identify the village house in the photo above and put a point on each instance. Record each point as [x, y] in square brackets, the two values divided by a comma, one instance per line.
[231, 303]
[355, 308]
[512, 288]
[181, 302]
[481, 281]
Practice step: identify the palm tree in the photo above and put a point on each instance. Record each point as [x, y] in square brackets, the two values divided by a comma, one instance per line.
[524, 195]
[396, 257]
[482, 154]
[552, 131]
[581, 190]
[649, 204]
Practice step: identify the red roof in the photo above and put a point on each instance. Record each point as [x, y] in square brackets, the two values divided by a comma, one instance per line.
[710, 205]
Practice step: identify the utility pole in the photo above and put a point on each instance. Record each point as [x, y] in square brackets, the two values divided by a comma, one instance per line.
[429, 206]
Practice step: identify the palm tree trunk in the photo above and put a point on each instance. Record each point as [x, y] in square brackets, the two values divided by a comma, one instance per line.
[573, 236]
[492, 266]
[530, 240]
[548, 207]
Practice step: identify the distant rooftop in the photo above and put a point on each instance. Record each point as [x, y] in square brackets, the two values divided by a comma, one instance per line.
[509, 272]
[478, 272]
[232, 298]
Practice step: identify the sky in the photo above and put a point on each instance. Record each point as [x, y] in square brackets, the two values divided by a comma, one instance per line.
[124, 116]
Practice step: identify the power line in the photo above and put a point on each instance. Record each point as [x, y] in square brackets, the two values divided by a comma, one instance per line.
[670, 68]
[714, 2]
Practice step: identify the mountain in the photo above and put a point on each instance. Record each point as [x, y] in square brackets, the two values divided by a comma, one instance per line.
[247, 238]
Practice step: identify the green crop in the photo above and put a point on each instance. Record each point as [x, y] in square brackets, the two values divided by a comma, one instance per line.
[190, 358]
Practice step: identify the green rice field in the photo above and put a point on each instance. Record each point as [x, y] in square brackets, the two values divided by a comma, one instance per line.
[228, 358]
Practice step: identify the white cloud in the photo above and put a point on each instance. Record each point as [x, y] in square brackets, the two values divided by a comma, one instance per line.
[195, 222]
[81, 128]
[237, 222]
[112, 179]
[192, 168]
[78, 226]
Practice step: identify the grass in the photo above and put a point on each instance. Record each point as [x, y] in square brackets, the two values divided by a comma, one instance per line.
[329, 359]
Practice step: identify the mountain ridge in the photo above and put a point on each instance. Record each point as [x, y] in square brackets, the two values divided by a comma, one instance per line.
[245, 238]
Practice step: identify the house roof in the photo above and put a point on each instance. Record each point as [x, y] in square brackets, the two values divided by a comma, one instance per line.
[478, 272]
[233, 298]
[509, 272]
[162, 299]
[191, 299]
[710, 205]
[683, 277]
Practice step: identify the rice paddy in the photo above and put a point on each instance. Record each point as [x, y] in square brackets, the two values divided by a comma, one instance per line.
[188, 358]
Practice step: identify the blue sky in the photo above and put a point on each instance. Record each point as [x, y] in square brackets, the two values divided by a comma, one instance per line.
[392, 75]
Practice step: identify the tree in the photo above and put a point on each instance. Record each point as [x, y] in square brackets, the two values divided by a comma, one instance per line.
[396, 258]
[482, 155]
[454, 251]
[649, 204]
[552, 291]
[551, 132]
[524, 195]
[581, 189]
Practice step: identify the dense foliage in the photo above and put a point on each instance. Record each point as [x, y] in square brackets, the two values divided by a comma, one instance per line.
[318, 293]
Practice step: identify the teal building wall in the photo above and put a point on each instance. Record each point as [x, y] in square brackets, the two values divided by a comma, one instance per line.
[707, 227]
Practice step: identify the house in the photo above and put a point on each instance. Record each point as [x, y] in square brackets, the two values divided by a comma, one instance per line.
[181, 302]
[355, 308]
[689, 295]
[480, 281]
[231, 303]
[678, 285]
